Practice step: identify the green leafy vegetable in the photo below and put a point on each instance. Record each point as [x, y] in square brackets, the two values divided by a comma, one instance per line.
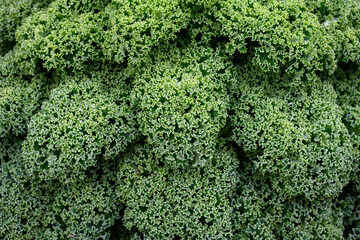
[159, 119]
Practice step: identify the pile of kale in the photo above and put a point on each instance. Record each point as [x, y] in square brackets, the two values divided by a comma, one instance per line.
[180, 119]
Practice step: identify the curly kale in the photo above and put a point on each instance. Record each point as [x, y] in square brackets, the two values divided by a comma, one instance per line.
[159, 119]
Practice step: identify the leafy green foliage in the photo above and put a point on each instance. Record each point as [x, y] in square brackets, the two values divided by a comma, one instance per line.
[76, 126]
[341, 19]
[134, 27]
[347, 85]
[296, 136]
[346, 82]
[159, 119]
[187, 204]
[11, 15]
[69, 35]
[261, 214]
[183, 104]
[18, 102]
[288, 36]
[350, 205]
[43, 210]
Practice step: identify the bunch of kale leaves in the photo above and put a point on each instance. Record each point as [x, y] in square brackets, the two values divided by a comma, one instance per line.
[179, 119]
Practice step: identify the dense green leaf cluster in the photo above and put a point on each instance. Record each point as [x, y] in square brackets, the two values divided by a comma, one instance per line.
[73, 128]
[183, 105]
[295, 136]
[83, 209]
[11, 14]
[261, 214]
[188, 203]
[158, 119]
